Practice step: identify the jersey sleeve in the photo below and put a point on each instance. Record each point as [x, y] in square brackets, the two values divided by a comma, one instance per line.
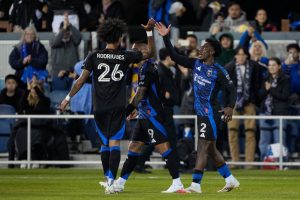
[88, 63]
[133, 56]
[227, 87]
[185, 61]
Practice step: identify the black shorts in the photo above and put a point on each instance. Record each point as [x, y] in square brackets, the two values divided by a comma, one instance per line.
[208, 126]
[150, 131]
[110, 125]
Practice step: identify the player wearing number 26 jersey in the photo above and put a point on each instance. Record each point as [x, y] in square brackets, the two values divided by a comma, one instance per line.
[108, 68]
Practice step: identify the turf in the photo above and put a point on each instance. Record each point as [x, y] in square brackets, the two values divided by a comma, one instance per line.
[83, 184]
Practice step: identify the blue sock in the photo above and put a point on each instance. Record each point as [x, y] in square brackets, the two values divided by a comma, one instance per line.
[197, 176]
[224, 170]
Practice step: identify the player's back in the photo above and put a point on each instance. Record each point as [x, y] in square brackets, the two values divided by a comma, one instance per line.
[109, 68]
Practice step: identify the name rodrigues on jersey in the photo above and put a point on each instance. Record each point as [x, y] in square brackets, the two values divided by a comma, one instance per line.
[110, 56]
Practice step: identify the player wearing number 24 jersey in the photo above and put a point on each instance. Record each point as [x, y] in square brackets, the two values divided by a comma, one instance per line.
[108, 68]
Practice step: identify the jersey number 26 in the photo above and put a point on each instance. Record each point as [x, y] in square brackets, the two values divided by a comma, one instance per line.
[116, 74]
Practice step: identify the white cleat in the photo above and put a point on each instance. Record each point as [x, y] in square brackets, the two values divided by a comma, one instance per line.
[103, 184]
[194, 188]
[118, 187]
[230, 186]
[110, 189]
[175, 189]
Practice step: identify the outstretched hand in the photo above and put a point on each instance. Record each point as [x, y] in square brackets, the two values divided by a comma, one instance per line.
[149, 25]
[227, 114]
[161, 29]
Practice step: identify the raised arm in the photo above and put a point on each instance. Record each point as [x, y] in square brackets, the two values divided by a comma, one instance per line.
[75, 88]
[179, 59]
[149, 27]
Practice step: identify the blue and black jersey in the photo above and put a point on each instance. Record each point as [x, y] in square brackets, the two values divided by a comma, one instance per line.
[150, 105]
[208, 81]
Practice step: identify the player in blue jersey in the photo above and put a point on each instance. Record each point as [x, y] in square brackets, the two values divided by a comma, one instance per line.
[209, 78]
[149, 127]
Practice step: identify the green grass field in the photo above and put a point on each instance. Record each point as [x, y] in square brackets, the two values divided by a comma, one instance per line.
[75, 184]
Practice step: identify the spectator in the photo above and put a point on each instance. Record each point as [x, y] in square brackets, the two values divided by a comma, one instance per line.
[261, 23]
[111, 9]
[226, 41]
[187, 103]
[24, 13]
[186, 85]
[159, 11]
[64, 45]
[75, 9]
[273, 95]
[243, 73]
[4, 9]
[291, 67]
[11, 94]
[29, 57]
[169, 91]
[33, 102]
[176, 11]
[257, 47]
[236, 20]
[207, 12]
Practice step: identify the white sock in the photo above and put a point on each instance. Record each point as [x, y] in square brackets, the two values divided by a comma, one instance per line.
[107, 178]
[230, 179]
[197, 185]
[121, 181]
[110, 181]
[177, 181]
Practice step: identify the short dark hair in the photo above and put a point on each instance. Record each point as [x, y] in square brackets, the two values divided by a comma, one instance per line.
[192, 36]
[232, 3]
[293, 46]
[111, 30]
[242, 48]
[163, 54]
[277, 60]
[215, 45]
[11, 76]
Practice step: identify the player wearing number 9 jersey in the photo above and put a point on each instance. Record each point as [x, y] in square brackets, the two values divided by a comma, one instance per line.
[149, 127]
[209, 78]
[108, 68]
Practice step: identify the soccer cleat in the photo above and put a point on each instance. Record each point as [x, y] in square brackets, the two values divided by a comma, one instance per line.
[110, 189]
[175, 189]
[103, 184]
[195, 188]
[118, 187]
[230, 186]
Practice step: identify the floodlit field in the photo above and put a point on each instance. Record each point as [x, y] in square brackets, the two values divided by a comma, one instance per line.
[83, 184]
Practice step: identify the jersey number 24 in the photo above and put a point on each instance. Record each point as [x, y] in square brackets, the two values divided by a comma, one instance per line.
[116, 74]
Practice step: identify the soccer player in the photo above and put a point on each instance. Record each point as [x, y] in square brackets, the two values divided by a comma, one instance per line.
[149, 127]
[209, 77]
[109, 90]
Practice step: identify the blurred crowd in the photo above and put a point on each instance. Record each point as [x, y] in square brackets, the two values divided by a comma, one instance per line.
[265, 85]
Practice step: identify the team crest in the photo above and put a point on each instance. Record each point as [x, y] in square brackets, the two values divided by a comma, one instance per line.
[209, 73]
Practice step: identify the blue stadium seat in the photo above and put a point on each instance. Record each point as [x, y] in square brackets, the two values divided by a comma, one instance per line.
[5, 126]
[2, 83]
[56, 96]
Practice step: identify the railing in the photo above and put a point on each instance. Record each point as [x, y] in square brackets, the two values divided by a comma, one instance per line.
[28, 162]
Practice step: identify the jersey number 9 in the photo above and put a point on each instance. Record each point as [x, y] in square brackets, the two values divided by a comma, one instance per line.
[116, 74]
